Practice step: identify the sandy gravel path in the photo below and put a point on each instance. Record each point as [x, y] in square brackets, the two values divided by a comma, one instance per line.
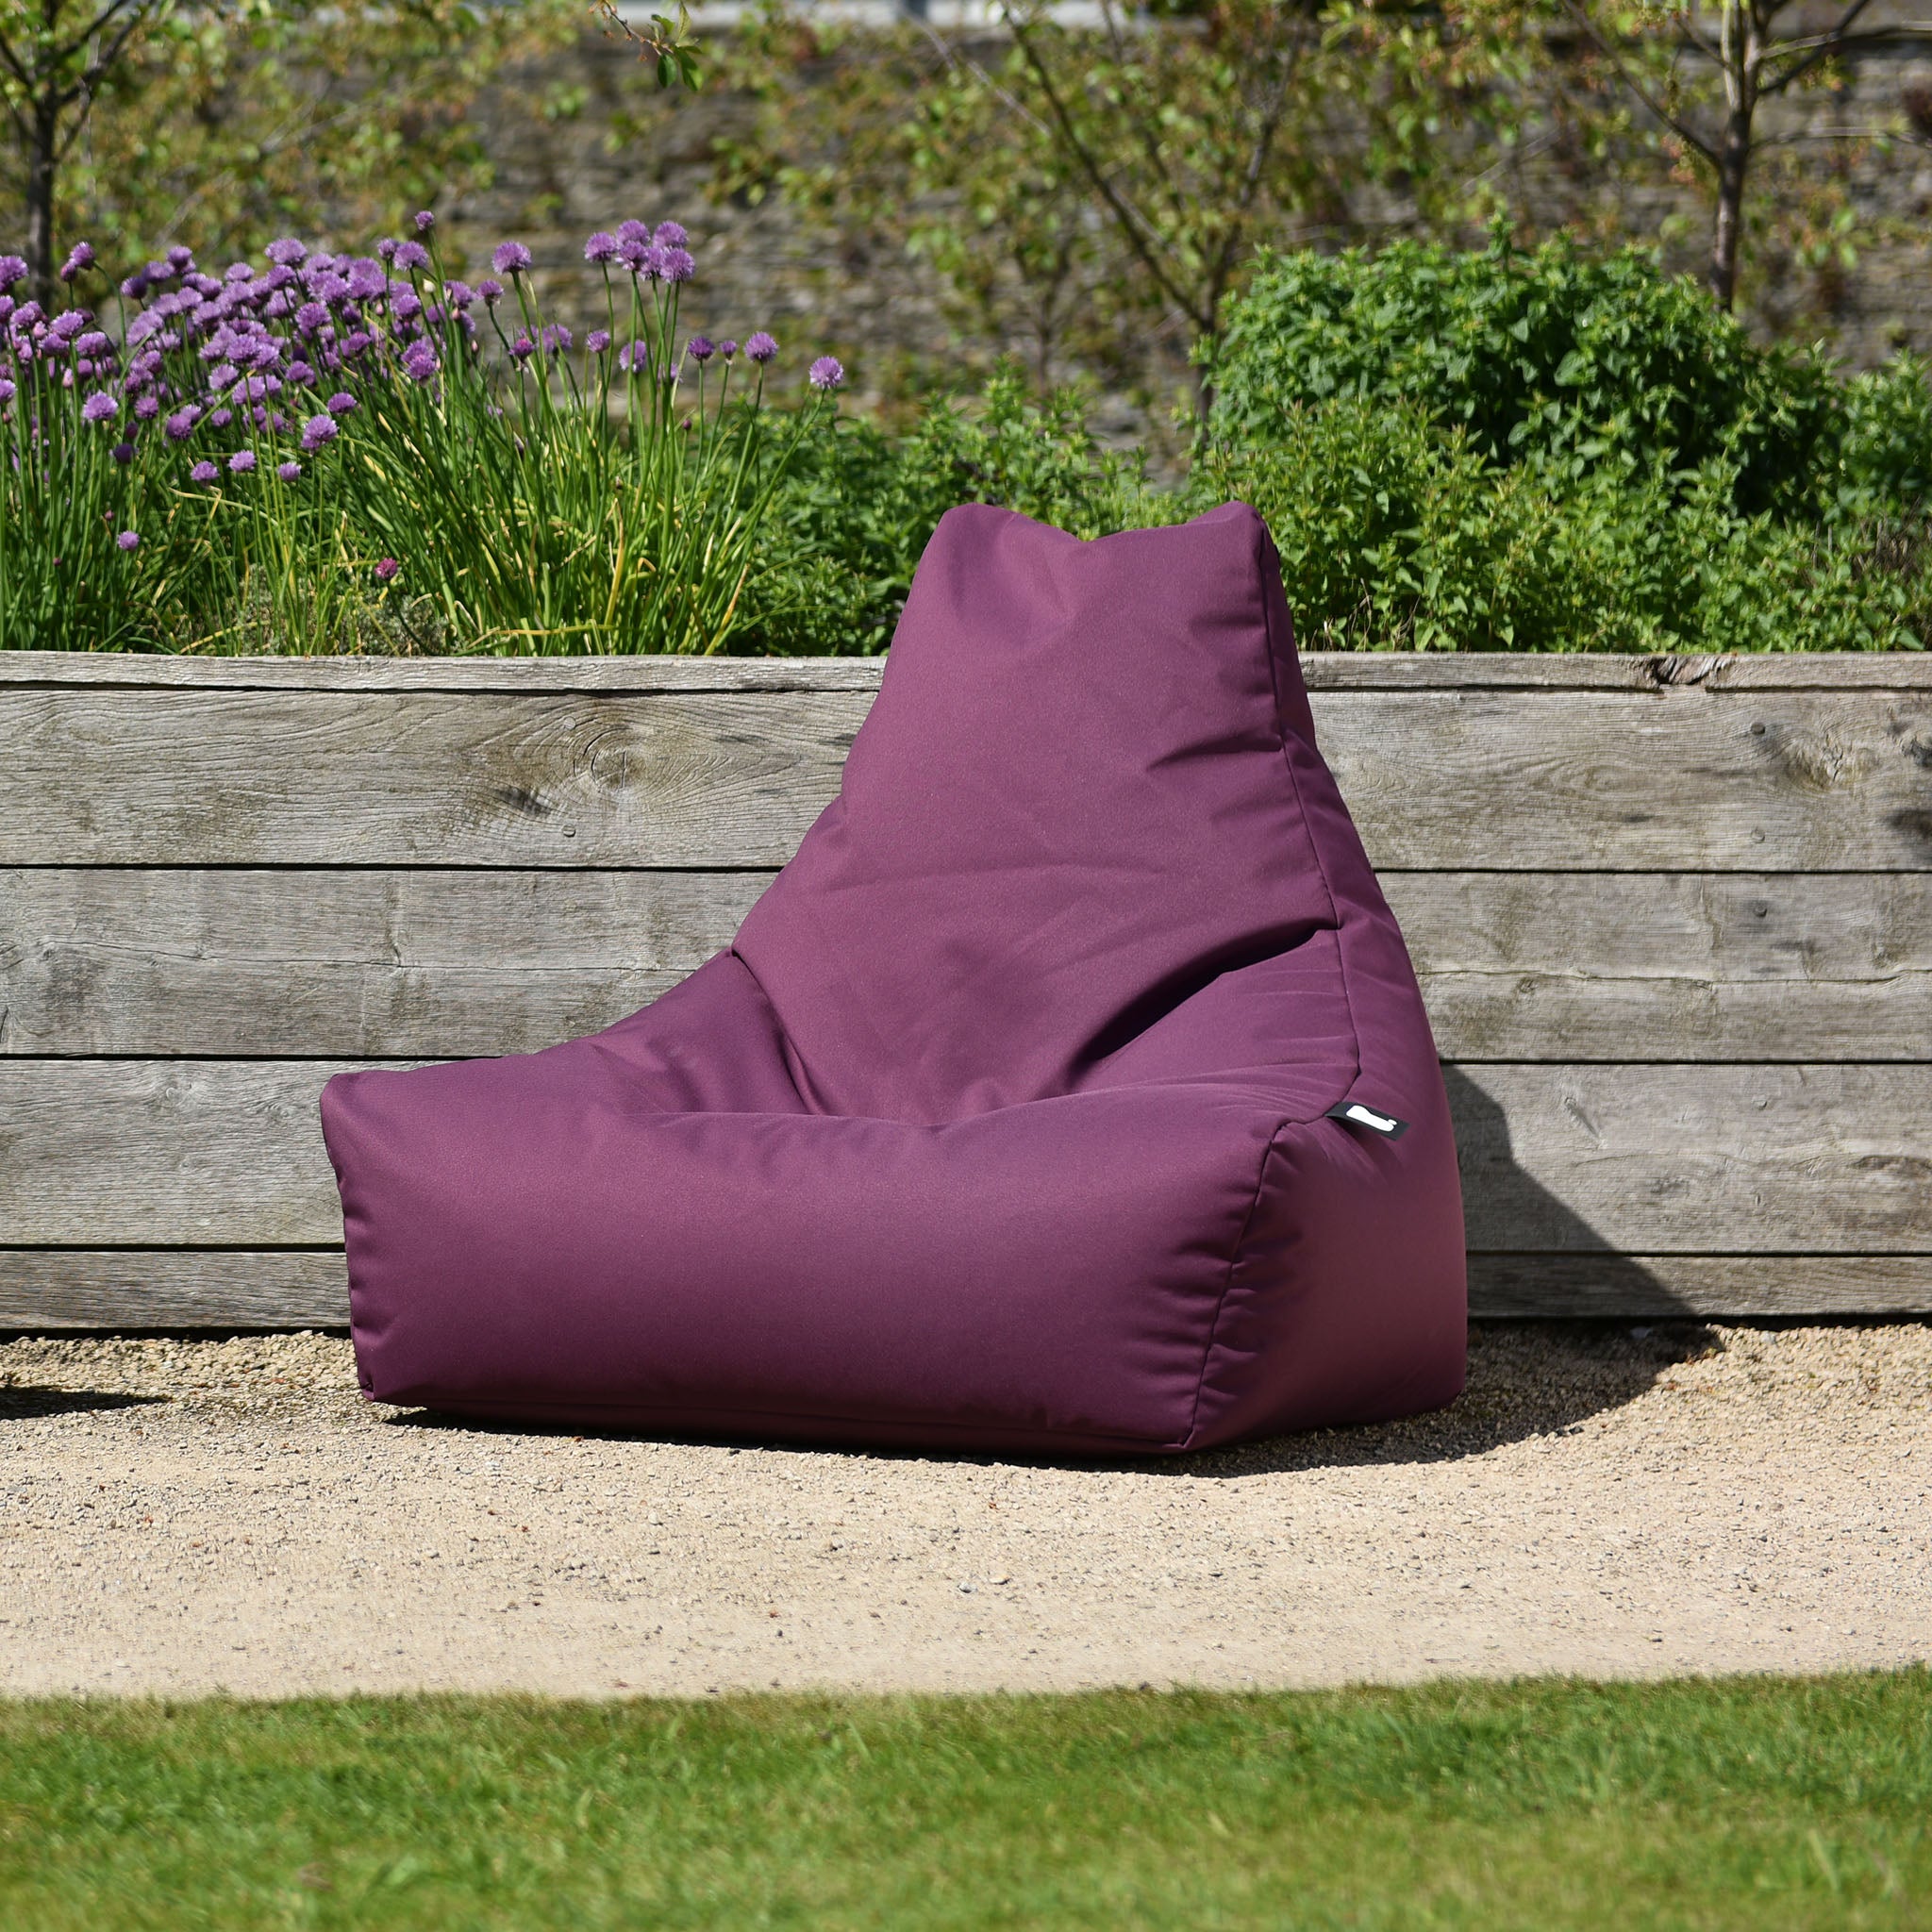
[184, 1517]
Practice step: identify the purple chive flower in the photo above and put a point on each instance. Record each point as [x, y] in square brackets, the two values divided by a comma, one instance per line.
[299, 375]
[181, 258]
[242, 461]
[319, 431]
[386, 250]
[134, 288]
[701, 348]
[670, 235]
[419, 361]
[826, 373]
[630, 231]
[727, 348]
[286, 253]
[98, 408]
[412, 254]
[406, 305]
[557, 338]
[13, 269]
[128, 541]
[678, 265]
[522, 349]
[80, 257]
[459, 295]
[634, 356]
[288, 472]
[386, 569]
[491, 291]
[600, 247]
[7, 391]
[148, 408]
[203, 473]
[235, 272]
[511, 258]
[597, 340]
[179, 426]
[123, 453]
[342, 404]
[311, 318]
[364, 282]
[221, 418]
[424, 221]
[761, 348]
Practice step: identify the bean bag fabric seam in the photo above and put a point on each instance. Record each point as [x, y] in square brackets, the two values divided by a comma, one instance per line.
[1227, 1280]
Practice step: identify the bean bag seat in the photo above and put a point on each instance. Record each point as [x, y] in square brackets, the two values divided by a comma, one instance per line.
[1070, 1090]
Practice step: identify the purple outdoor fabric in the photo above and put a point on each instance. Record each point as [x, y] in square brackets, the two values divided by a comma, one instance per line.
[1003, 1122]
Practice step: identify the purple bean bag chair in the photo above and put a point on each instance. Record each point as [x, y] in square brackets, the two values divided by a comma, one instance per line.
[1068, 1091]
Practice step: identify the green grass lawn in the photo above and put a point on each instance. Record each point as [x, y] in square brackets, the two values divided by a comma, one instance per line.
[1755, 1801]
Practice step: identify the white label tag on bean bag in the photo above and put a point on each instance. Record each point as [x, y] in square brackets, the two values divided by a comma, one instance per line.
[1356, 1115]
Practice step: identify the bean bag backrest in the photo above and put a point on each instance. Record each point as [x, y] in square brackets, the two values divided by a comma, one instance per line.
[1079, 798]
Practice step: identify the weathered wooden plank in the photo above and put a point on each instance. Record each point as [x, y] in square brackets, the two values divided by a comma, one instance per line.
[382, 964]
[1717, 1159]
[1696, 1159]
[46, 1290]
[402, 962]
[308, 778]
[1645, 966]
[1679, 779]
[1730, 1287]
[1324, 671]
[516, 676]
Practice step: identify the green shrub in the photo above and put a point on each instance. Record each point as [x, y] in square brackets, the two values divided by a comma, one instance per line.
[1571, 366]
[856, 507]
[1395, 534]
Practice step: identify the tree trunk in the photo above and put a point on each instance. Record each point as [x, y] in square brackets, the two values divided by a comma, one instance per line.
[1734, 161]
[1740, 54]
[41, 155]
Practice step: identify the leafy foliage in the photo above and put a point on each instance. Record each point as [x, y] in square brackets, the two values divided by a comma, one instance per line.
[1571, 364]
[1092, 193]
[1496, 451]
[240, 118]
[849, 523]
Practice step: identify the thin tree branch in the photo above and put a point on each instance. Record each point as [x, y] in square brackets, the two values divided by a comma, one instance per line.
[1682, 130]
[1130, 220]
[1251, 180]
[102, 63]
[101, 21]
[13, 66]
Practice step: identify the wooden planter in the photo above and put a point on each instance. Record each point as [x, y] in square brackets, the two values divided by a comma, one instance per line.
[1672, 918]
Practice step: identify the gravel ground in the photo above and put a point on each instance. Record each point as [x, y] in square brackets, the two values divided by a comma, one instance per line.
[187, 1516]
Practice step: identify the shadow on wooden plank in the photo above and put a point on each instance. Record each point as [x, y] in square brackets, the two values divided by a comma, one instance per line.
[1543, 1377]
